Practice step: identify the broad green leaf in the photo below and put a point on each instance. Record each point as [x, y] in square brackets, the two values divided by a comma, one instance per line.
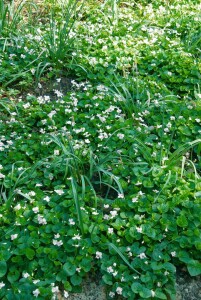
[76, 279]
[30, 253]
[182, 221]
[156, 266]
[3, 268]
[198, 194]
[86, 264]
[145, 293]
[61, 276]
[160, 295]
[107, 278]
[157, 255]
[67, 286]
[136, 287]
[169, 267]
[13, 275]
[194, 268]
[69, 268]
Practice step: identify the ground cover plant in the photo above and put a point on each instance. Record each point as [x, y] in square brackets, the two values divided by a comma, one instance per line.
[100, 175]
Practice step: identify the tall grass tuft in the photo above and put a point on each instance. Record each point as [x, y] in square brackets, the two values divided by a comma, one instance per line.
[85, 173]
[11, 15]
[60, 37]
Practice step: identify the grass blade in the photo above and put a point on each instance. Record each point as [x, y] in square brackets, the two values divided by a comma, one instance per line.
[175, 156]
[77, 204]
[122, 256]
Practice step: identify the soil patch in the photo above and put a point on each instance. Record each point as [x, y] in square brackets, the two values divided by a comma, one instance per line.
[188, 288]
[48, 88]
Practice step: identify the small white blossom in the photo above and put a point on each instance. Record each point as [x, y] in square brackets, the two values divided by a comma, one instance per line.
[47, 199]
[142, 255]
[110, 269]
[111, 294]
[14, 236]
[56, 152]
[26, 105]
[99, 254]
[57, 243]
[58, 93]
[35, 209]
[76, 237]
[55, 289]
[120, 136]
[110, 230]
[113, 214]
[2, 285]
[41, 220]
[51, 114]
[26, 275]
[78, 270]
[59, 192]
[134, 199]
[71, 222]
[139, 229]
[119, 290]
[17, 207]
[36, 281]
[32, 193]
[66, 294]
[36, 293]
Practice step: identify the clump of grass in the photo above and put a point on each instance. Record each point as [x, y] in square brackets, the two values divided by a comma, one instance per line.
[11, 15]
[60, 37]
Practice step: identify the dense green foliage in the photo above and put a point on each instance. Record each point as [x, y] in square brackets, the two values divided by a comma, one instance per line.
[106, 176]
